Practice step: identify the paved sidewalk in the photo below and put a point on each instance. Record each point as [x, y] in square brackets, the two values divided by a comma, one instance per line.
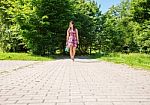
[7, 66]
[83, 82]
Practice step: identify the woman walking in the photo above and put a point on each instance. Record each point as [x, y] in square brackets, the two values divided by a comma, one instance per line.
[72, 39]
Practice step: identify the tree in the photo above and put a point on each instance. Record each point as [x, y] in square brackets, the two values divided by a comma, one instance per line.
[140, 13]
[45, 29]
[85, 15]
[11, 39]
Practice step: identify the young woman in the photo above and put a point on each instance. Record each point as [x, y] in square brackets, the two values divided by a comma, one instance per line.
[72, 39]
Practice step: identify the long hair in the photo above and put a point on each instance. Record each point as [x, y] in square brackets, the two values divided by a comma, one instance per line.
[72, 22]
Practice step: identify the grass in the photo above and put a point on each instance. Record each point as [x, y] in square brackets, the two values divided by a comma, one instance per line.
[23, 56]
[136, 60]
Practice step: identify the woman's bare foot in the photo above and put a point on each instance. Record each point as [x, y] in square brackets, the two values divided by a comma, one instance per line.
[72, 58]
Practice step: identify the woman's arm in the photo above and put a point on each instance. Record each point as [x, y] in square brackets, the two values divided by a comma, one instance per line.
[77, 36]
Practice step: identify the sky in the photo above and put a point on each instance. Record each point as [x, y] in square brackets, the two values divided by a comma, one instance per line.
[106, 4]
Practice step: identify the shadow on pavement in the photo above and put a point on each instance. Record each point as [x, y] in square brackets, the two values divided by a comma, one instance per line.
[80, 59]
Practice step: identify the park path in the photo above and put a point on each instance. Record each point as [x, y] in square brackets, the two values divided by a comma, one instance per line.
[63, 82]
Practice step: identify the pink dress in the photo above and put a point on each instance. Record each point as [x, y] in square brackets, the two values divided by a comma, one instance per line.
[72, 38]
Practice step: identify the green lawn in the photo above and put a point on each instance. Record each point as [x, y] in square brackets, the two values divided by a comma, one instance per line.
[23, 56]
[133, 59]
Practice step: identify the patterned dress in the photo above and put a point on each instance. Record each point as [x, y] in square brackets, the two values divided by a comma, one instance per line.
[72, 38]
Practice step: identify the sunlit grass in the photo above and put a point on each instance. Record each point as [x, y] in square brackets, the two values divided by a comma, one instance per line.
[23, 56]
[133, 59]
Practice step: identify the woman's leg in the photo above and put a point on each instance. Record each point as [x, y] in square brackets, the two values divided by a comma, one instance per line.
[74, 51]
[71, 51]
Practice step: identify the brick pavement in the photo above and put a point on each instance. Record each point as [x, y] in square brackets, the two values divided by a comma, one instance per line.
[83, 82]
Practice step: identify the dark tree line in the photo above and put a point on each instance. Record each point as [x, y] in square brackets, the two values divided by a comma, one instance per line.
[39, 26]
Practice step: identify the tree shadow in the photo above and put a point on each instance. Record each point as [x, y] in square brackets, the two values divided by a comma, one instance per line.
[79, 58]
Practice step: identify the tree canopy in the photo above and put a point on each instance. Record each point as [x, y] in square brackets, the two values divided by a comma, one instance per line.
[39, 26]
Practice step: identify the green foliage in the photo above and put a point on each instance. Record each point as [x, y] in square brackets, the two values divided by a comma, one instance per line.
[126, 25]
[45, 29]
[140, 10]
[140, 13]
[10, 38]
[85, 15]
[39, 26]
